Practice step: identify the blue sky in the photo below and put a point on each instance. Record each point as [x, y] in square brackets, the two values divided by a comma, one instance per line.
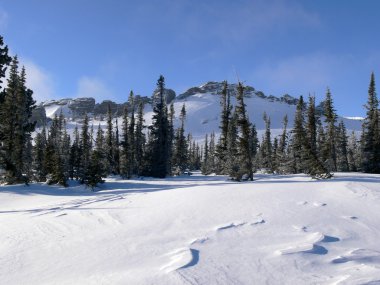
[105, 48]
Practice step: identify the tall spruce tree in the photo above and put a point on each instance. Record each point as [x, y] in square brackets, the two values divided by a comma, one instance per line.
[312, 164]
[5, 60]
[330, 142]
[99, 147]
[116, 149]
[371, 132]
[39, 152]
[140, 139]
[232, 160]
[109, 146]
[16, 127]
[298, 139]
[254, 145]
[205, 162]
[266, 147]
[171, 138]
[244, 130]
[282, 157]
[159, 149]
[221, 148]
[131, 136]
[75, 155]
[125, 147]
[353, 153]
[342, 148]
[85, 146]
[180, 161]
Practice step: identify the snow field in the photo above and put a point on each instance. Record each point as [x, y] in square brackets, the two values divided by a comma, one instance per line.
[193, 230]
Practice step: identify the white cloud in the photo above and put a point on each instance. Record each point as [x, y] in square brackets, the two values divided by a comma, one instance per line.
[93, 87]
[3, 20]
[39, 80]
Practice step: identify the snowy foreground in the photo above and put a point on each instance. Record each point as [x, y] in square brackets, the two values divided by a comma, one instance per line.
[194, 230]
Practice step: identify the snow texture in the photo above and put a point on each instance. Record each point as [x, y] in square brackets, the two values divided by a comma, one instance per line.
[193, 230]
[203, 111]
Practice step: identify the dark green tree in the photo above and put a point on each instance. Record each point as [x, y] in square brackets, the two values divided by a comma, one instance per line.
[371, 132]
[140, 139]
[342, 148]
[330, 142]
[244, 130]
[159, 137]
[180, 157]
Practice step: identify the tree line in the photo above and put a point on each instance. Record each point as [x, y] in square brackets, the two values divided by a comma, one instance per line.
[317, 144]
[132, 149]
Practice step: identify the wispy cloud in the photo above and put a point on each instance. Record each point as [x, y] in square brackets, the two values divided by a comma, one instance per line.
[94, 87]
[4, 18]
[39, 80]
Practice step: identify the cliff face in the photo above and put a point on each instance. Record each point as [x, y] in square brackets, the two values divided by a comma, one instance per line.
[215, 88]
[202, 108]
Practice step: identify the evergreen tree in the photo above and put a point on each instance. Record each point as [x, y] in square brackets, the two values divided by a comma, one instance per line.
[244, 128]
[131, 137]
[109, 146]
[54, 162]
[371, 132]
[312, 164]
[159, 149]
[66, 145]
[171, 135]
[5, 60]
[205, 162]
[94, 172]
[125, 147]
[140, 139]
[282, 158]
[211, 154]
[353, 153]
[330, 142]
[16, 109]
[75, 155]
[254, 144]
[39, 152]
[298, 139]
[233, 161]
[100, 155]
[116, 149]
[342, 145]
[221, 148]
[266, 148]
[8, 128]
[85, 146]
[180, 161]
[4, 63]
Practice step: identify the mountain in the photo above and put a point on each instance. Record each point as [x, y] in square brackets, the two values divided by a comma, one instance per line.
[202, 107]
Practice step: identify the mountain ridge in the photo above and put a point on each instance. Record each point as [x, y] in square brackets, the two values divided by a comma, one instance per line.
[202, 105]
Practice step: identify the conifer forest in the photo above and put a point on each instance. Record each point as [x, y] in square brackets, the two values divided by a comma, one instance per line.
[317, 144]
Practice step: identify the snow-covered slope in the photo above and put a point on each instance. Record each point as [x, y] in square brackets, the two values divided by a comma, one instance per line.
[193, 230]
[203, 109]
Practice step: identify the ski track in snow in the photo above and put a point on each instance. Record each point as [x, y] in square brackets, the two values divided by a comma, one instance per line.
[194, 230]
